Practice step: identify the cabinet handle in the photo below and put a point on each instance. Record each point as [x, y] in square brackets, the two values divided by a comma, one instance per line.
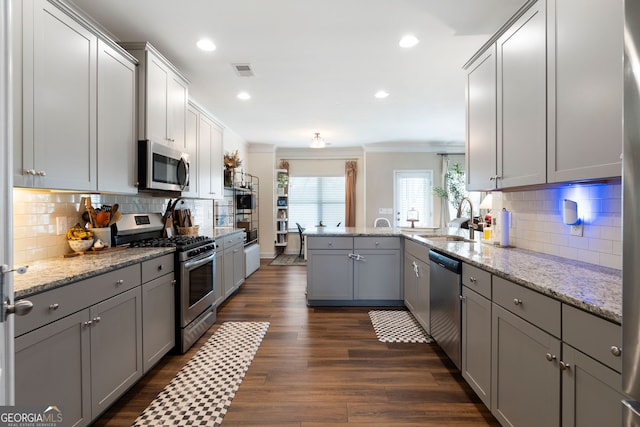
[550, 357]
[564, 366]
[616, 351]
[517, 301]
[173, 282]
[97, 319]
[472, 279]
[119, 282]
[87, 323]
[377, 243]
[54, 306]
[30, 172]
[330, 243]
[461, 297]
[41, 173]
[160, 267]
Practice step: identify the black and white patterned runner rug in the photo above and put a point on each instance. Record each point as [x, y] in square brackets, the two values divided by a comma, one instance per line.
[201, 393]
[397, 326]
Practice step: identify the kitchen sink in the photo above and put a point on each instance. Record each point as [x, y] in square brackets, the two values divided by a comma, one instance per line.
[446, 238]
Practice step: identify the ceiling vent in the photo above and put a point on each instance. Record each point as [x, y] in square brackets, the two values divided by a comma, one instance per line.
[243, 70]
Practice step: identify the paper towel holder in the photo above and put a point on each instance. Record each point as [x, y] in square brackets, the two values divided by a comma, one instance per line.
[570, 212]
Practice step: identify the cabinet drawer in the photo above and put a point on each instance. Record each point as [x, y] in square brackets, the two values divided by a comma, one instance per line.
[154, 268]
[476, 279]
[63, 301]
[417, 250]
[229, 240]
[329, 242]
[376, 243]
[542, 311]
[592, 335]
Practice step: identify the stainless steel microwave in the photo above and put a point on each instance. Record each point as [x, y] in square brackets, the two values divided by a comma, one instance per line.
[162, 168]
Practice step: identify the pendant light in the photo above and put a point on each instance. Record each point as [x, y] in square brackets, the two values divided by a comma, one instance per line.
[317, 141]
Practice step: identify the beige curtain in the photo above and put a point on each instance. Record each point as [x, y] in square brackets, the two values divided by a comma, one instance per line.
[351, 173]
[284, 164]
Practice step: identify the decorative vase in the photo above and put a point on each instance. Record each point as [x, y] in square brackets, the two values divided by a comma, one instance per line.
[228, 177]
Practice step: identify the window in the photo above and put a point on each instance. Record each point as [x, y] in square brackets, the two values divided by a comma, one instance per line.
[316, 198]
[413, 191]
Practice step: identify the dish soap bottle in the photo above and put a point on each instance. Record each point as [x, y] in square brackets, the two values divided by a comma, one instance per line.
[487, 232]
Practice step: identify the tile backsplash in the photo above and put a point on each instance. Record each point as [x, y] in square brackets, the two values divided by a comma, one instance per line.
[537, 225]
[36, 215]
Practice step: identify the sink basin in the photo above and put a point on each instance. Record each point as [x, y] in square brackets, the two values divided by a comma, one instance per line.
[445, 238]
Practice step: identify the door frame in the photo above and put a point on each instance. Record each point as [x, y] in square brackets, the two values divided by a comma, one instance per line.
[7, 396]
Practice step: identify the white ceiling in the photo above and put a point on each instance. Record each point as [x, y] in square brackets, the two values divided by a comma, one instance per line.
[318, 63]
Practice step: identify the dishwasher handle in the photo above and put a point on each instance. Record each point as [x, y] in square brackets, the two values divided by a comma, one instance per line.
[444, 261]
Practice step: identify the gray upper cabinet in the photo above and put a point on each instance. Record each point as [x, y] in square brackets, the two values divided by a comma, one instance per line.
[116, 121]
[59, 100]
[521, 89]
[585, 90]
[162, 97]
[74, 132]
[481, 122]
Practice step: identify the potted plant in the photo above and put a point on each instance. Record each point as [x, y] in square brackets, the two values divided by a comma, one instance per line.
[283, 180]
[454, 186]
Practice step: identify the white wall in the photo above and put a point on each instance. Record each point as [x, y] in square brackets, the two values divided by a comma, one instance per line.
[378, 176]
[262, 157]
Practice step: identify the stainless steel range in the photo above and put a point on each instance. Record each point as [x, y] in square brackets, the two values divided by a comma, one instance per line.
[195, 270]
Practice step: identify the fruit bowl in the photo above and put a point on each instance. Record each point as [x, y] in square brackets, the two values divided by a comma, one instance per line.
[80, 245]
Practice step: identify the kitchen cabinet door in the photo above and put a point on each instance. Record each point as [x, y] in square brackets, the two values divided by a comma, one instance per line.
[191, 143]
[52, 367]
[521, 101]
[585, 92]
[476, 343]
[329, 275]
[210, 180]
[238, 265]
[219, 283]
[158, 319]
[410, 279]
[481, 122]
[59, 100]
[178, 98]
[377, 276]
[157, 92]
[116, 348]
[116, 122]
[525, 377]
[591, 392]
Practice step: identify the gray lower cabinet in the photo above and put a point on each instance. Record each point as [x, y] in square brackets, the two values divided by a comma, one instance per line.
[416, 282]
[377, 275]
[476, 343]
[158, 309]
[52, 358]
[232, 263]
[219, 283]
[591, 393]
[87, 339]
[525, 378]
[329, 275]
[158, 318]
[354, 271]
[116, 347]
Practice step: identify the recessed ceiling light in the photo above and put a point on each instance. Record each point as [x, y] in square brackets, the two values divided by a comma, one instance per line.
[206, 45]
[244, 96]
[409, 41]
[381, 94]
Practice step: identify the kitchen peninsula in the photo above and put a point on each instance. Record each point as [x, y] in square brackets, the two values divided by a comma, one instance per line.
[539, 336]
[592, 288]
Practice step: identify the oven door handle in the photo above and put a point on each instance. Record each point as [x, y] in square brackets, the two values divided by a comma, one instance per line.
[197, 262]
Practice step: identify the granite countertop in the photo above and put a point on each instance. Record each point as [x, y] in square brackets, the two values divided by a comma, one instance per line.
[587, 286]
[225, 231]
[55, 272]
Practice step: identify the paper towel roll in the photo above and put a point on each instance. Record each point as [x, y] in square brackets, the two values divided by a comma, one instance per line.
[505, 222]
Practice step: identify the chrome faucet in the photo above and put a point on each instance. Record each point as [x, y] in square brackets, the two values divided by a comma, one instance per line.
[472, 226]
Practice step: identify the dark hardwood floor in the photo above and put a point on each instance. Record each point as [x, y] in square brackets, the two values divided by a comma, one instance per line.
[321, 367]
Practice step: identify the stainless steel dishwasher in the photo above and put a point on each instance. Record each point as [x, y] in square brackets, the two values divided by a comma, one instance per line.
[446, 288]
